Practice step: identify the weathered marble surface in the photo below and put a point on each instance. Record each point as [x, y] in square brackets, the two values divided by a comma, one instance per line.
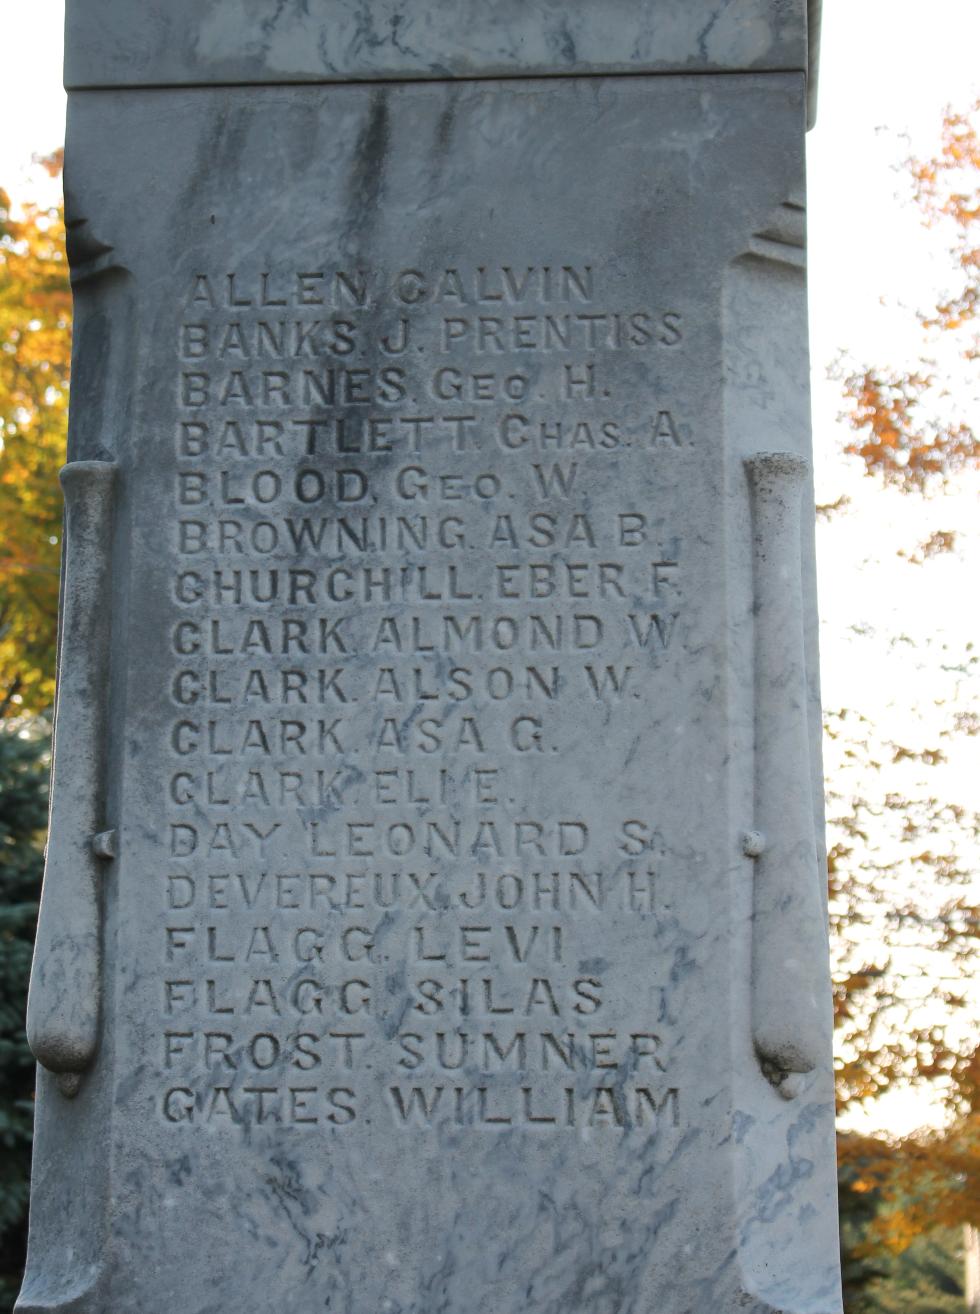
[458, 823]
[119, 43]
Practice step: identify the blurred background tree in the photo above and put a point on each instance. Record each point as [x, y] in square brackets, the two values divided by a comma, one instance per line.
[35, 355]
[23, 817]
[909, 423]
[35, 351]
[925, 1278]
[902, 862]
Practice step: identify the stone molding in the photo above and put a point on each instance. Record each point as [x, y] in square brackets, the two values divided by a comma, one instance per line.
[118, 43]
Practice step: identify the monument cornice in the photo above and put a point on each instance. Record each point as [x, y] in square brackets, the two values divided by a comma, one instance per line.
[117, 43]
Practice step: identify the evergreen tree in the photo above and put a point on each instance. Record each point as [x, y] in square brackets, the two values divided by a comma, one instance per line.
[858, 1201]
[926, 1278]
[23, 817]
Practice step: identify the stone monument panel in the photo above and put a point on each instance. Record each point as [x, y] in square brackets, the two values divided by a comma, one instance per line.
[446, 857]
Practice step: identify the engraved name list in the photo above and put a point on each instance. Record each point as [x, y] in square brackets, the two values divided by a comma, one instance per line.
[386, 898]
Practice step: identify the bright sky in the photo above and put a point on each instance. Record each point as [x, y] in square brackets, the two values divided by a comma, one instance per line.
[895, 635]
[32, 102]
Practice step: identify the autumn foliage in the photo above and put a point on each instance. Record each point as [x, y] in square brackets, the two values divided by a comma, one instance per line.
[35, 352]
[908, 432]
[948, 188]
[906, 929]
[899, 440]
[926, 1181]
[904, 926]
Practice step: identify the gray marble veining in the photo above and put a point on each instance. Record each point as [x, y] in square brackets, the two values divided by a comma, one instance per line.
[436, 924]
[117, 43]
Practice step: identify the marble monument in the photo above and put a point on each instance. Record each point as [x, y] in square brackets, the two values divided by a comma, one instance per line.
[433, 917]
